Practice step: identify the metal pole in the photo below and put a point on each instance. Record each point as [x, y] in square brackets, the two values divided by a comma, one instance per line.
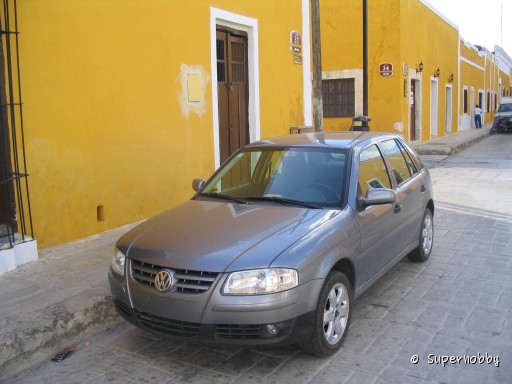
[317, 67]
[365, 61]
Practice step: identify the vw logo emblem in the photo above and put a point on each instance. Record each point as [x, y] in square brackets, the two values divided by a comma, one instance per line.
[163, 280]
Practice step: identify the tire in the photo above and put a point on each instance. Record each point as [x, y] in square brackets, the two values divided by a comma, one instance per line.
[493, 131]
[332, 316]
[424, 249]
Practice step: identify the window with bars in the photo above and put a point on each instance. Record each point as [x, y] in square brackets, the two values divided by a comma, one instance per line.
[338, 97]
[465, 101]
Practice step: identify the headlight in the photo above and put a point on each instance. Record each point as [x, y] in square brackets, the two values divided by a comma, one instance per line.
[260, 281]
[118, 262]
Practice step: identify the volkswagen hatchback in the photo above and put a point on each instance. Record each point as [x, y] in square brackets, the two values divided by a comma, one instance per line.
[273, 248]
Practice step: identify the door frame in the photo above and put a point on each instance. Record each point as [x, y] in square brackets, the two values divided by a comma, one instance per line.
[415, 109]
[448, 113]
[434, 107]
[249, 25]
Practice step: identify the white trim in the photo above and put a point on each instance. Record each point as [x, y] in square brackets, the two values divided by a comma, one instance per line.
[462, 58]
[306, 65]
[439, 13]
[249, 25]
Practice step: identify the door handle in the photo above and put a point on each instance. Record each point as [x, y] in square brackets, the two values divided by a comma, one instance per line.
[398, 208]
[423, 188]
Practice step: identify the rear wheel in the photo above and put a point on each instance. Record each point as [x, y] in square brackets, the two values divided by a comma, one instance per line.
[426, 238]
[332, 317]
[493, 131]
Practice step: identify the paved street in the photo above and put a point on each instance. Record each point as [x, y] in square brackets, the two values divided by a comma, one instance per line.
[448, 320]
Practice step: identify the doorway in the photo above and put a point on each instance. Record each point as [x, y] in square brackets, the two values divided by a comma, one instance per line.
[232, 91]
[415, 113]
[448, 110]
[434, 107]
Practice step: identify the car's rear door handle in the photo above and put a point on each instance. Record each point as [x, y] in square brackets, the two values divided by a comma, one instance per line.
[423, 188]
[398, 208]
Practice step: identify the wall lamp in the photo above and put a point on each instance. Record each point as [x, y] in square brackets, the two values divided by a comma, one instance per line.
[437, 73]
[420, 67]
[450, 79]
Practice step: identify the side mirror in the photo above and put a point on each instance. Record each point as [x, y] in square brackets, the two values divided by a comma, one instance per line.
[377, 196]
[197, 184]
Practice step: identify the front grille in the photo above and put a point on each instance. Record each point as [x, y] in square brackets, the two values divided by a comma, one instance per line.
[240, 332]
[168, 326]
[186, 281]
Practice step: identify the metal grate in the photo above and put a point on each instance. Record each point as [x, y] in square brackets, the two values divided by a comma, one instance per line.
[186, 281]
[168, 326]
[15, 214]
[239, 332]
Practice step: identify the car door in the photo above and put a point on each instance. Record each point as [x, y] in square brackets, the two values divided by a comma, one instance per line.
[379, 225]
[409, 187]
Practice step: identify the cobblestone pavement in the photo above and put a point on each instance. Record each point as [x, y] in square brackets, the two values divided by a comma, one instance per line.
[448, 320]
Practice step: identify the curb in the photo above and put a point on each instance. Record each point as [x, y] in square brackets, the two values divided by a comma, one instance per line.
[450, 145]
[57, 326]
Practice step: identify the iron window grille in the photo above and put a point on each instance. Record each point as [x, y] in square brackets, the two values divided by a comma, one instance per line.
[15, 214]
[338, 97]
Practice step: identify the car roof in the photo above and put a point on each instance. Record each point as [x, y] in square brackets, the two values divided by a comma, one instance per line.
[345, 139]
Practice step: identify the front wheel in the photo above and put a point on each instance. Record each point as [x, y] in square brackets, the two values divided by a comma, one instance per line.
[493, 131]
[332, 316]
[426, 238]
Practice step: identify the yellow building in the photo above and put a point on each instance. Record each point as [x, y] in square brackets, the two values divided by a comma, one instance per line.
[125, 102]
[505, 73]
[111, 108]
[412, 65]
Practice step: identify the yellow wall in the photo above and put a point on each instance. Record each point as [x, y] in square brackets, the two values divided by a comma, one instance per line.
[399, 32]
[472, 75]
[506, 84]
[105, 112]
[432, 40]
[342, 48]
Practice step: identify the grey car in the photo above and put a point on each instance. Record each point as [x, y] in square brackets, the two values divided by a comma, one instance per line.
[273, 248]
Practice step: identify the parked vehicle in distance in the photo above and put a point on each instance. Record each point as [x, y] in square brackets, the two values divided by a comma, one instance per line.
[273, 248]
[503, 118]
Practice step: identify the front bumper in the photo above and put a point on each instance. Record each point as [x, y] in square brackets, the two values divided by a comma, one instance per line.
[502, 121]
[209, 317]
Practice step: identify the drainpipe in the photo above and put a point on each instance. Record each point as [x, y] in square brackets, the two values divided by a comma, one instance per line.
[365, 65]
[317, 67]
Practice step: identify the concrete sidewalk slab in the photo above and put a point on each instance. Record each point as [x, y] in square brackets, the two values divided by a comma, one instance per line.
[58, 300]
[451, 144]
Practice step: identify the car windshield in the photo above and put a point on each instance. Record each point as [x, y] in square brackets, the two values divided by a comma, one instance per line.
[312, 177]
[505, 108]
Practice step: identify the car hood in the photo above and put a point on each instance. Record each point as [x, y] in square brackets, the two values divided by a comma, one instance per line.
[218, 236]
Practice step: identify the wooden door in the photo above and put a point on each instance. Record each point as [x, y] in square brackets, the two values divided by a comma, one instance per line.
[412, 129]
[232, 88]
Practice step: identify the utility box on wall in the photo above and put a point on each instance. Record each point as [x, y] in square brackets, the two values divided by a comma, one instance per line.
[301, 129]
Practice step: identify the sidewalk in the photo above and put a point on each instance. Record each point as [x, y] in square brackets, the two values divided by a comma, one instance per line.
[63, 298]
[451, 144]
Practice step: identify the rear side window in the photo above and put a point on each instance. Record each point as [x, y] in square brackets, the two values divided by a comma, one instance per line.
[403, 167]
[414, 157]
[373, 172]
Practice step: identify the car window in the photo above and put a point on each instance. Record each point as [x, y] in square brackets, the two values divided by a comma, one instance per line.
[373, 172]
[307, 175]
[413, 156]
[505, 108]
[402, 166]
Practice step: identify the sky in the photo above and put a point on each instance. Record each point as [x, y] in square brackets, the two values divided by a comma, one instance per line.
[480, 21]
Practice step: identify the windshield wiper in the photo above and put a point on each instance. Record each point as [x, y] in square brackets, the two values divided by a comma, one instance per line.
[223, 196]
[284, 201]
